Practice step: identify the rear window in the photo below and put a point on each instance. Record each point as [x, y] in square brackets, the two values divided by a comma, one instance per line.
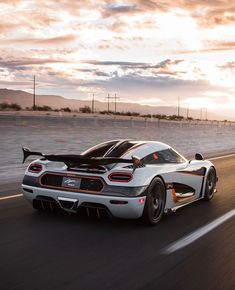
[120, 149]
[163, 156]
[99, 150]
[109, 149]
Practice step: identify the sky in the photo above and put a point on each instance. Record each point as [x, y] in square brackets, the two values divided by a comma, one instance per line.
[145, 51]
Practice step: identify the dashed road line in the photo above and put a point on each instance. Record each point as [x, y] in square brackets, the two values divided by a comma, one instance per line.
[187, 240]
[221, 157]
[11, 196]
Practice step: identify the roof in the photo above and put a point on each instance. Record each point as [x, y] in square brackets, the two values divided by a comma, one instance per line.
[125, 148]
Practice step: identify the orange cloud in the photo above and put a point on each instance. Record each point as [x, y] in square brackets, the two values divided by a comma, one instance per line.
[10, 2]
[42, 41]
[17, 64]
[7, 26]
[212, 46]
[228, 65]
[207, 13]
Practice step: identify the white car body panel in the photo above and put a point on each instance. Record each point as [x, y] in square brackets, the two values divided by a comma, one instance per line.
[184, 182]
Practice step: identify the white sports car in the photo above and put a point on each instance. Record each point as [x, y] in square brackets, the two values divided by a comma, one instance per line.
[124, 178]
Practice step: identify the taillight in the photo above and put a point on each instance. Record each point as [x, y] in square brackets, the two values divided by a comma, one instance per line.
[35, 168]
[120, 177]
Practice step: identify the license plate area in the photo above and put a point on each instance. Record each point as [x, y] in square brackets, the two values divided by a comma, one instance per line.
[71, 182]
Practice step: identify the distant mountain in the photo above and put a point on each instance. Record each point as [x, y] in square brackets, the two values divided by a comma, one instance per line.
[25, 99]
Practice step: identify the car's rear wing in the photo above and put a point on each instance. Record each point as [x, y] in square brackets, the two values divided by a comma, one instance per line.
[69, 159]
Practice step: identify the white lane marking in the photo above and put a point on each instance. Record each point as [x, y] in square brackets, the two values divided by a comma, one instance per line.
[183, 242]
[11, 196]
[221, 157]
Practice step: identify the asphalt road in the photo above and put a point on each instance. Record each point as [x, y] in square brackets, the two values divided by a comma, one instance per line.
[46, 251]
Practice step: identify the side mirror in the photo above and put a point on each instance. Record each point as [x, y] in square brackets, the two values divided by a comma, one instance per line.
[198, 156]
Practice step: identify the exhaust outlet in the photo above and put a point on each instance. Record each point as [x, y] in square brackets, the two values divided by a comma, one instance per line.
[68, 203]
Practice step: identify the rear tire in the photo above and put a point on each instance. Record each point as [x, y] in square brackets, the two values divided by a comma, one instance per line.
[155, 202]
[210, 184]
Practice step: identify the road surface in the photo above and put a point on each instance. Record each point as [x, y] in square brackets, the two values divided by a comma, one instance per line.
[45, 251]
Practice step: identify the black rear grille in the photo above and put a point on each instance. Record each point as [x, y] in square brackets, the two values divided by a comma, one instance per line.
[91, 184]
[52, 180]
[46, 203]
[92, 209]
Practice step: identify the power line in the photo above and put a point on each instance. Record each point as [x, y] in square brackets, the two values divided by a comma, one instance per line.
[201, 114]
[115, 103]
[108, 101]
[93, 103]
[178, 106]
[34, 94]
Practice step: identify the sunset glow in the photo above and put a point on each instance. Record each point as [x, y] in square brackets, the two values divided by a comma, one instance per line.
[146, 51]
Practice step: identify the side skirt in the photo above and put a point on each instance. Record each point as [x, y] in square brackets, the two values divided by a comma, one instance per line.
[174, 209]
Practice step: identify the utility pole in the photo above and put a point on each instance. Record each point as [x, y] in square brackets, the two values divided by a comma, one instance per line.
[93, 103]
[34, 95]
[115, 102]
[201, 114]
[206, 114]
[178, 106]
[187, 112]
[108, 102]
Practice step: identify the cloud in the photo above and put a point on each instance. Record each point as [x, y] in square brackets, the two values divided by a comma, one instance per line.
[7, 26]
[15, 83]
[121, 8]
[156, 81]
[224, 44]
[34, 35]
[57, 39]
[228, 65]
[63, 39]
[166, 63]
[117, 25]
[216, 14]
[10, 2]
[128, 64]
[18, 64]
[101, 74]
[109, 63]
[211, 46]
[134, 86]
[208, 14]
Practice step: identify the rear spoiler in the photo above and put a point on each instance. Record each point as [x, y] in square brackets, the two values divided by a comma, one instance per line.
[80, 159]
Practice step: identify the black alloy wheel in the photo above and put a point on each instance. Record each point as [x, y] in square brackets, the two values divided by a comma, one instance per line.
[155, 202]
[210, 184]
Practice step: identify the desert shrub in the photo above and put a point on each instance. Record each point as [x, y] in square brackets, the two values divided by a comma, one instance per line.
[85, 109]
[146, 116]
[4, 106]
[40, 108]
[13, 106]
[67, 109]
[134, 114]
[175, 117]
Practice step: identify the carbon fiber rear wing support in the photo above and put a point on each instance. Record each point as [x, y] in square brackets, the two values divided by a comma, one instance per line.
[80, 159]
